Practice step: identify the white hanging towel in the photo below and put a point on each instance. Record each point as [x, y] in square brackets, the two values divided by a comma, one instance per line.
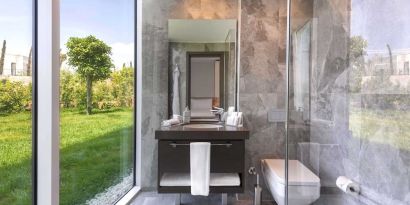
[176, 110]
[200, 167]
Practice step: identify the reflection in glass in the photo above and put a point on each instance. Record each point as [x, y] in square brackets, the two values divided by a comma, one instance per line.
[230, 74]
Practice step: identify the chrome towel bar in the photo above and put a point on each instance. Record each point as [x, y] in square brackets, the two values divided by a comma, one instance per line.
[174, 145]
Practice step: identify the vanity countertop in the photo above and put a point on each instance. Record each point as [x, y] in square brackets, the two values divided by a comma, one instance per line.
[180, 132]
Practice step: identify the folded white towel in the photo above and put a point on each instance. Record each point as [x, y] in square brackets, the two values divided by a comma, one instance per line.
[216, 179]
[170, 122]
[225, 179]
[200, 161]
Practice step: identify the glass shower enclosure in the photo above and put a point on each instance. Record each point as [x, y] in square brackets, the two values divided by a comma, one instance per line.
[348, 101]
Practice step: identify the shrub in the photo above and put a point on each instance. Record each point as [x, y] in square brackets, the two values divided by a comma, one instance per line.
[14, 97]
[72, 90]
[103, 98]
[382, 93]
[123, 86]
[117, 91]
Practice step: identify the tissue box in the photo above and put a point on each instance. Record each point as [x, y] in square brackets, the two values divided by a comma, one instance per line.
[235, 119]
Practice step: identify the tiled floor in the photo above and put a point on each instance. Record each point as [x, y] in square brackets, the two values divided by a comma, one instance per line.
[153, 198]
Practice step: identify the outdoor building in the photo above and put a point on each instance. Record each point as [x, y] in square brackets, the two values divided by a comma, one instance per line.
[397, 68]
[16, 68]
[16, 65]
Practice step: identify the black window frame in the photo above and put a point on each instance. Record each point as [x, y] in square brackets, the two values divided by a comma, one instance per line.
[34, 110]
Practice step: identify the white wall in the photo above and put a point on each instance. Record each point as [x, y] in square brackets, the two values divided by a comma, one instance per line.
[203, 77]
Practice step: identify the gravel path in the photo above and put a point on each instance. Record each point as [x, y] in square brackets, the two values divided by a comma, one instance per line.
[112, 194]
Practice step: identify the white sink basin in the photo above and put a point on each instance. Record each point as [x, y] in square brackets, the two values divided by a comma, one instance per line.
[203, 126]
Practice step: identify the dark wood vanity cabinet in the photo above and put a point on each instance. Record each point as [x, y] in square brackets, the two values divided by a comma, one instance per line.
[227, 154]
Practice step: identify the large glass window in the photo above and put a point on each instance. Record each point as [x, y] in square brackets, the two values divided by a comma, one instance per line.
[16, 102]
[97, 100]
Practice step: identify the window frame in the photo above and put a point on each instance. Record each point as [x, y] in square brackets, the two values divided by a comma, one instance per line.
[34, 157]
[45, 98]
[131, 194]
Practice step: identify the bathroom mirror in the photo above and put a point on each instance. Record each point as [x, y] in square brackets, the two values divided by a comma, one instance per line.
[202, 66]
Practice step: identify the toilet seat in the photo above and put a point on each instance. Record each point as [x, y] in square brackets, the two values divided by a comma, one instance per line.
[304, 185]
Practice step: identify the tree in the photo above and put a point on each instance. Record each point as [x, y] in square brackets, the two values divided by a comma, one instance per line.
[92, 59]
[357, 52]
[3, 54]
[29, 61]
[123, 86]
[391, 59]
[63, 57]
[72, 90]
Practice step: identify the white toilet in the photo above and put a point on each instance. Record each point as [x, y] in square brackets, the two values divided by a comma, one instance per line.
[304, 185]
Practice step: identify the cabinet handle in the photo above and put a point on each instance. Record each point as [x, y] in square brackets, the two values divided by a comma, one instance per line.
[227, 145]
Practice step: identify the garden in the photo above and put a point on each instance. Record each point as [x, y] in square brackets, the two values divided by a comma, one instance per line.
[96, 127]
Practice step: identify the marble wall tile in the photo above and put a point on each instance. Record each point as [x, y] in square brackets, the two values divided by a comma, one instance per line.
[262, 79]
[155, 82]
[384, 173]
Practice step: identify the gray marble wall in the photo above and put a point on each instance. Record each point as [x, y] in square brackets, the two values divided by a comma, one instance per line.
[154, 83]
[263, 78]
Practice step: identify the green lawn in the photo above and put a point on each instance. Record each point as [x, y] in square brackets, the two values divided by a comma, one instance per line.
[390, 127]
[95, 152]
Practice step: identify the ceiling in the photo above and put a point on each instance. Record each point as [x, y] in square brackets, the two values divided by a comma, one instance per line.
[203, 59]
[200, 31]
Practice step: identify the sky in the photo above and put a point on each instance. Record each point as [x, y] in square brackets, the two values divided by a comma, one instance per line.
[380, 22]
[112, 21]
[16, 26]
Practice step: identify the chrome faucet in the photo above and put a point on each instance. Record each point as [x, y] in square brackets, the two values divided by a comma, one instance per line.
[218, 112]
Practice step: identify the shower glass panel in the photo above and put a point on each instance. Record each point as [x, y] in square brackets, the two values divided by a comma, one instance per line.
[349, 102]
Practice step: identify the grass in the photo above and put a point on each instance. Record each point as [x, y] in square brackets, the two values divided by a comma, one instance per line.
[390, 127]
[15, 154]
[95, 153]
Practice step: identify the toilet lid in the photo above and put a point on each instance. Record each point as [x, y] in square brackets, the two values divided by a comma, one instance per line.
[298, 173]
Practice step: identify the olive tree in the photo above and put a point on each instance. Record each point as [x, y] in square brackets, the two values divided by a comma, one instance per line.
[91, 58]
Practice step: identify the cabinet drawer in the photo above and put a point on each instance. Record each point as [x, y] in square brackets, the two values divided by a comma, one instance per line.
[223, 159]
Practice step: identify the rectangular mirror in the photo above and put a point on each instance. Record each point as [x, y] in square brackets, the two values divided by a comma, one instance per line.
[202, 66]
